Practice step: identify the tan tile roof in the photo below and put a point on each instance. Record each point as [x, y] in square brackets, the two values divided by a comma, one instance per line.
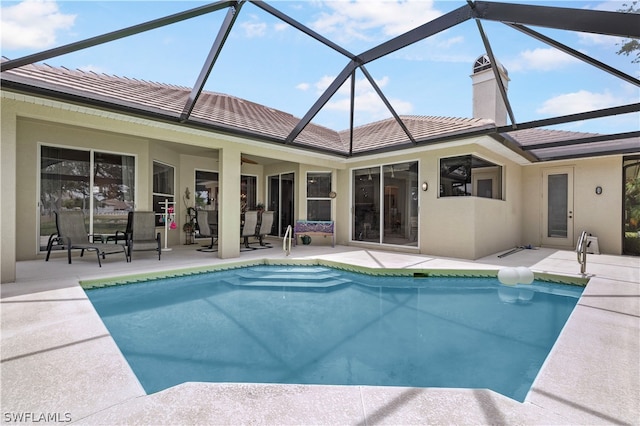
[231, 112]
[540, 141]
[228, 113]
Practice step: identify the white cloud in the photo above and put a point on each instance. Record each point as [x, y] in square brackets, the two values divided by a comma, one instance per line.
[540, 59]
[367, 102]
[356, 19]
[581, 101]
[254, 29]
[32, 24]
[303, 86]
[281, 26]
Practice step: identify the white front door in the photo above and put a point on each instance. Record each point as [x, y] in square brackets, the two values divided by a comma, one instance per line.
[557, 207]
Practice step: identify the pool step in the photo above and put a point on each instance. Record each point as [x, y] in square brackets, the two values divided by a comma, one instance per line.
[285, 276]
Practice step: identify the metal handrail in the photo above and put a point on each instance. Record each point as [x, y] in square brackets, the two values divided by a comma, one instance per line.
[287, 247]
[581, 251]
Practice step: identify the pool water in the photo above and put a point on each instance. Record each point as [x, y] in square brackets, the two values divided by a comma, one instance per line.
[317, 325]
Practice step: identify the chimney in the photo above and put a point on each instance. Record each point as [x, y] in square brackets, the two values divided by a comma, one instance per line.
[487, 101]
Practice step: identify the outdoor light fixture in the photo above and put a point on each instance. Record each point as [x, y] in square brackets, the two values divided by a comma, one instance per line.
[598, 190]
[425, 186]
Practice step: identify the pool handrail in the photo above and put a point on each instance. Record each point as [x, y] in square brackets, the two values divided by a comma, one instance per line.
[581, 251]
[286, 247]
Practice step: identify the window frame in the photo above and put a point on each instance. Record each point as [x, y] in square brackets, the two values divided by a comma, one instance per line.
[170, 197]
[492, 170]
[328, 196]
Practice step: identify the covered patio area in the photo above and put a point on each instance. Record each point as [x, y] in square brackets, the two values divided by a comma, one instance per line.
[59, 361]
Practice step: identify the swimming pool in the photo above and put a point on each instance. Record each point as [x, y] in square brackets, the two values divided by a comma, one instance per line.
[318, 325]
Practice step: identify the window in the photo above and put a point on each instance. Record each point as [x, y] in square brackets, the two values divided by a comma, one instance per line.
[248, 192]
[468, 175]
[206, 190]
[105, 193]
[385, 204]
[163, 189]
[318, 199]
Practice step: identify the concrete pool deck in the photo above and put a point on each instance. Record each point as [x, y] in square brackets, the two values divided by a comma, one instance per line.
[59, 363]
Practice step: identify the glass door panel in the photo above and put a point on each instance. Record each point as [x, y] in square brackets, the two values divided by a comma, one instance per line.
[631, 208]
[281, 201]
[113, 192]
[64, 185]
[558, 207]
[366, 205]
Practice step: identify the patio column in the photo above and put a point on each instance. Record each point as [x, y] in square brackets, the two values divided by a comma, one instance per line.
[8, 161]
[229, 202]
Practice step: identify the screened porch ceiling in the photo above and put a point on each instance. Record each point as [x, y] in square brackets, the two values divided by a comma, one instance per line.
[532, 138]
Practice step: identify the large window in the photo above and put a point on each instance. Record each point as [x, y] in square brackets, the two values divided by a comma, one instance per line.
[318, 199]
[385, 204]
[248, 192]
[206, 194]
[163, 189]
[469, 175]
[100, 184]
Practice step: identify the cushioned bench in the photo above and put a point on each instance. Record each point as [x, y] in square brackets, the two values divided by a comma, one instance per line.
[314, 227]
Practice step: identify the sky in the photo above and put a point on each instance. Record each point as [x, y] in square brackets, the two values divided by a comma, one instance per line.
[269, 62]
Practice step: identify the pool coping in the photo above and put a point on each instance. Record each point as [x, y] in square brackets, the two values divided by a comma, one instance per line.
[88, 284]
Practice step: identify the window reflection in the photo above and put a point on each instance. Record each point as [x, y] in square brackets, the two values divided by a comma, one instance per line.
[468, 175]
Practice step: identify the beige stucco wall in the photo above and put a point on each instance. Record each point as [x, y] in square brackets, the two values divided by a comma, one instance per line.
[465, 227]
[600, 215]
[33, 133]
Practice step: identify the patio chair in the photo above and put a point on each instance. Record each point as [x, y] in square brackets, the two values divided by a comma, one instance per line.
[73, 235]
[123, 235]
[207, 222]
[249, 227]
[143, 234]
[265, 226]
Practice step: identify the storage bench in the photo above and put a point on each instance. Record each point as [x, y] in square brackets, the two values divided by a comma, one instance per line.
[324, 228]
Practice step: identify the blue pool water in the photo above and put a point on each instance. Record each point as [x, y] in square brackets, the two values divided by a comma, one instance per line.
[316, 325]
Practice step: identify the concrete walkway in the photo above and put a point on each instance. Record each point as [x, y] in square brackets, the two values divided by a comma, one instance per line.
[59, 363]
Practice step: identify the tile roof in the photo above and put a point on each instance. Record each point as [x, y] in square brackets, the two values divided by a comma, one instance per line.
[230, 112]
[557, 144]
[227, 113]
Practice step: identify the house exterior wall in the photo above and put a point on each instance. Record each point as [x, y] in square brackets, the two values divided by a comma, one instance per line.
[31, 134]
[600, 215]
[469, 227]
[465, 227]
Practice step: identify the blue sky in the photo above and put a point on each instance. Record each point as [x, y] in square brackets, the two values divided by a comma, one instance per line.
[269, 62]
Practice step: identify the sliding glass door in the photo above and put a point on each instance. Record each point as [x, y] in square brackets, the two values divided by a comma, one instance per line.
[281, 201]
[385, 204]
[102, 185]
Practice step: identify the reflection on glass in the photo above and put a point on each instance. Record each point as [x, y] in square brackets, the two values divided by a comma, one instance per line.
[631, 170]
[366, 205]
[400, 204]
[163, 189]
[468, 175]
[113, 191]
[558, 206]
[64, 185]
[386, 198]
[206, 193]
